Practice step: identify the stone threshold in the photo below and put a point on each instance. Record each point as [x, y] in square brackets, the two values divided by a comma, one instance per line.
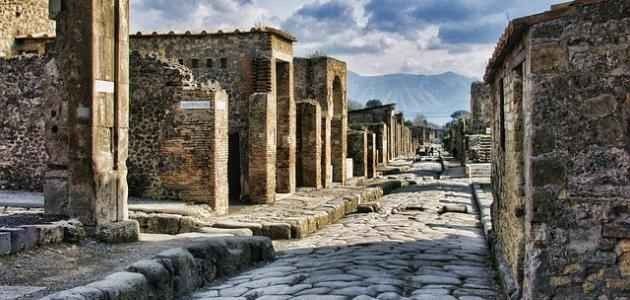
[176, 273]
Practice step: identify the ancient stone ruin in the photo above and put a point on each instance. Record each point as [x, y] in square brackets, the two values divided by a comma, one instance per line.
[560, 87]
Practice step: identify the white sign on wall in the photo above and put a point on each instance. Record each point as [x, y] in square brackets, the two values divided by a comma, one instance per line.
[102, 86]
[194, 105]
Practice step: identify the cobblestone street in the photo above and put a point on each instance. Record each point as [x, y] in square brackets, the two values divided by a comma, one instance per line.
[411, 249]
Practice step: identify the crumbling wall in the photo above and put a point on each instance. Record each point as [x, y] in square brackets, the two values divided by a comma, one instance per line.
[178, 135]
[22, 17]
[561, 212]
[579, 160]
[324, 79]
[509, 206]
[480, 107]
[243, 63]
[25, 84]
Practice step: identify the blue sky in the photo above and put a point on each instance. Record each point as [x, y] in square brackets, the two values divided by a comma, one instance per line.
[373, 36]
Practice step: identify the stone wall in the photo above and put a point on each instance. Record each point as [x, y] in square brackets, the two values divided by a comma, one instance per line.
[178, 135]
[21, 18]
[480, 107]
[562, 147]
[25, 84]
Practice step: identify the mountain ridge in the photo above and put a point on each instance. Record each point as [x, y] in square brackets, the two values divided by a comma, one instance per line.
[436, 96]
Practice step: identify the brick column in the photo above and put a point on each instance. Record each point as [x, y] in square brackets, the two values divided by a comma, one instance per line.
[358, 151]
[87, 141]
[309, 132]
[285, 110]
[262, 148]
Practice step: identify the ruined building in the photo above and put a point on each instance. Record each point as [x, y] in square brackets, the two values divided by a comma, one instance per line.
[393, 139]
[381, 116]
[324, 80]
[243, 63]
[178, 135]
[263, 130]
[561, 99]
[23, 18]
[480, 108]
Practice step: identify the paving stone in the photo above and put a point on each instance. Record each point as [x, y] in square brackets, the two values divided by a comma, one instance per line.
[431, 279]
[5, 243]
[17, 292]
[381, 255]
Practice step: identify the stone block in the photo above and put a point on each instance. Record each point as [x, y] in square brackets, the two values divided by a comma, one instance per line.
[21, 239]
[123, 286]
[234, 231]
[256, 228]
[45, 234]
[73, 231]
[158, 277]
[5, 243]
[183, 269]
[118, 232]
[277, 231]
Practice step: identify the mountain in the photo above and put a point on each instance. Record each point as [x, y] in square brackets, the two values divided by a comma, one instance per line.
[435, 96]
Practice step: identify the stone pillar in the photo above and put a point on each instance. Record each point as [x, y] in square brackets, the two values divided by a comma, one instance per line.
[327, 169]
[380, 132]
[358, 151]
[339, 127]
[371, 155]
[218, 159]
[87, 140]
[309, 144]
[262, 148]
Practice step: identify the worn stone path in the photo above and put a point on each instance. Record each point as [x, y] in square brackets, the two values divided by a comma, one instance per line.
[406, 251]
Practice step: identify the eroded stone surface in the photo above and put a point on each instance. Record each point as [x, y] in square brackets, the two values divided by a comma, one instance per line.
[393, 254]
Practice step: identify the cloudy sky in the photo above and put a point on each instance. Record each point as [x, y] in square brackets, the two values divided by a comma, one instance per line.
[373, 36]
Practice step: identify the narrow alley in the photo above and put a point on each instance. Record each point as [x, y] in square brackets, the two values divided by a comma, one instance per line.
[414, 248]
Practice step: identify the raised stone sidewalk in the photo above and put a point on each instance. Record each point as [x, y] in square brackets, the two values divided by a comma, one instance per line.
[177, 272]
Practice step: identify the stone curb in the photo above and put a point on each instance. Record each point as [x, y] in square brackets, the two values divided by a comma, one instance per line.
[23, 238]
[178, 272]
[298, 223]
[485, 212]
